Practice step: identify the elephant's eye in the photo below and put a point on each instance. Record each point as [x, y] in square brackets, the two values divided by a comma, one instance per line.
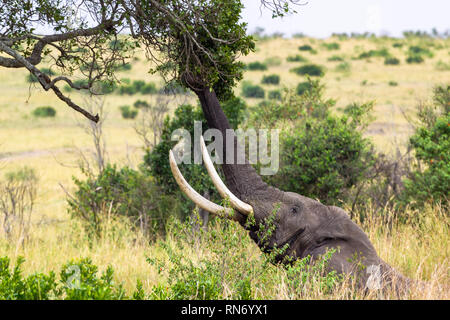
[294, 210]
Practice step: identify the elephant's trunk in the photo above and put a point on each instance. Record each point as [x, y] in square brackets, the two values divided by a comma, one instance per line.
[241, 179]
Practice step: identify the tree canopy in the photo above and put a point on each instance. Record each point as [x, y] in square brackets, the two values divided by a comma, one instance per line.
[184, 39]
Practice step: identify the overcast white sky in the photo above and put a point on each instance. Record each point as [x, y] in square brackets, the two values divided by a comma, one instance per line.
[320, 18]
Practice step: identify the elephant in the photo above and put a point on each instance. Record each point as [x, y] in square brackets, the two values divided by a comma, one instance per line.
[305, 226]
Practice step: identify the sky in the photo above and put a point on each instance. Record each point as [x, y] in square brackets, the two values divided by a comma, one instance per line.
[321, 18]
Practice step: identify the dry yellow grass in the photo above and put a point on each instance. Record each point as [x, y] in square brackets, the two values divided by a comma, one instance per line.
[419, 251]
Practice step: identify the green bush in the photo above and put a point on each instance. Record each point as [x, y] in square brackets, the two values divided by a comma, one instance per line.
[302, 87]
[344, 67]
[335, 58]
[273, 61]
[137, 86]
[120, 193]
[44, 112]
[331, 46]
[393, 83]
[259, 66]
[414, 59]
[397, 45]
[430, 179]
[309, 69]
[322, 155]
[138, 104]
[421, 51]
[305, 47]
[78, 280]
[127, 112]
[296, 58]
[391, 61]
[252, 91]
[271, 79]
[274, 95]
[374, 53]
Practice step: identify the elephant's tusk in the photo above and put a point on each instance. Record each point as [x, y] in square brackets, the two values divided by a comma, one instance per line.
[235, 202]
[195, 196]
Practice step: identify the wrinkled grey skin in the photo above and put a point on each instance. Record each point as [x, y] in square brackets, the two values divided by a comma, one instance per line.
[309, 227]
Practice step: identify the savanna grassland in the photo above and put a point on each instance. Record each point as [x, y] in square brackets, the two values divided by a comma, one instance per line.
[417, 246]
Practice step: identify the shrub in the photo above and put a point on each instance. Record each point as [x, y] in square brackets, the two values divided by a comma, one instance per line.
[32, 78]
[252, 66]
[331, 46]
[442, 66]
[309, 69]
[271, 79]
[302, 87]
[393, 83]
[391, 61]
[120, 193]
[374, 53]
[137, 86]
[44, 112]
[274, 95]
[78, 280]
[414, 59]
[272, 61]
[305, 47]
[296, 58]
[322, 155]
[128, 113]
[343, 67]
[252, 91]
[323, 158]
[430, 180]
[397, 45]
[138, 104]
[335, 58]
[417, 50]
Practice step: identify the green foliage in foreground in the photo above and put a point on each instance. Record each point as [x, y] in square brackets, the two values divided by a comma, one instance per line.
[78, 280]
[219, 269]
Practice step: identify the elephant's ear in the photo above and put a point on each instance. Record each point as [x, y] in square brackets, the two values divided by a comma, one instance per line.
[339, 211]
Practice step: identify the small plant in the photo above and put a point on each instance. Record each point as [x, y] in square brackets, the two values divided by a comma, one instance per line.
[364, 83]
[421, 51]
[442, 66]
[335, 58]
[302, 87]
[256, 66]
[44, 112]
[274, 95]
[305, 47]
[397, 45]
[391, 61]
[141, 104]
[374, 53]
[296, 58]
[273, 61]
[393, 83]
[331, 46]
[344, 67]
[309, 69]
[271, 79]
[414, 59]
[128, 113]
[252, 91]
